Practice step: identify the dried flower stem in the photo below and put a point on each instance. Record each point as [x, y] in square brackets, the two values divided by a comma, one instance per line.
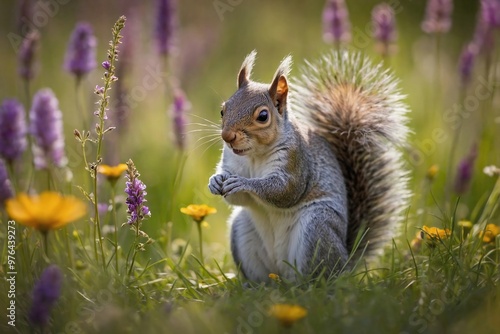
[109, 78]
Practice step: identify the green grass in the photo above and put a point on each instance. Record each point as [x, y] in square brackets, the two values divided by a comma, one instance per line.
[447, 285]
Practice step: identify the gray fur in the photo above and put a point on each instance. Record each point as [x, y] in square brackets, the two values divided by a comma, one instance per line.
[315, 174]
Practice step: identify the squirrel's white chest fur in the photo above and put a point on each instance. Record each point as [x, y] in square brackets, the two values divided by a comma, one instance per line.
[279, 229]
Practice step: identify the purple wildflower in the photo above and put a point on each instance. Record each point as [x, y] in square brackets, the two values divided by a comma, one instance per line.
[179, 108]
[488, 20]
[466, 63]
[13, 130]
[81, 53]
[26, 55]
[437, 16]
[165, 25]
[490, 12]
[5, 185]
[136, 191]
[465, 170]
[336, 25]
[384, 26]
[46, 128]
[24, 16]
[46, 292]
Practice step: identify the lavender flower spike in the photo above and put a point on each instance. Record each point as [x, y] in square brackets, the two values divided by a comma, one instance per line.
[466, 63]
[47, 129]
[5, 185]
[165, 25]
[490, 12]
[46, 292]
[13, 130]
[81, 53]
[487, 22]
[179, 108]
[384, 26]
[465, 170]
[136, 192]
[437, 16]
[26, 55]
[336, 25]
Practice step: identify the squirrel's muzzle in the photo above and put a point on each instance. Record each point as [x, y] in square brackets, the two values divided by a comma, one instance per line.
[228, 136]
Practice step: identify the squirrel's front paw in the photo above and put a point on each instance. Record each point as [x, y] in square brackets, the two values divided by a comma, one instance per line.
[215, 183]
[234, 184]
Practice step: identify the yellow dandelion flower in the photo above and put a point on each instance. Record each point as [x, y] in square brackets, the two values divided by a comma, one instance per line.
[198, 212]
[432, 172]
[112, 172]
[434, 233]
[490, 233]
[47, 211]
[287, 314]
[274, 277]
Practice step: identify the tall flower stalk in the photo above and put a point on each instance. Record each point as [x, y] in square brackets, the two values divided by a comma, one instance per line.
[13, 131]
[46, 129]
[336, 24]
[136, 209]
[384, 28]
[100, 129]
[27, 60]
[80, 58]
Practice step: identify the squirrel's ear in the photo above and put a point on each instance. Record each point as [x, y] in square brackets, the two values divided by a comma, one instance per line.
[279, 87]
[246, 69]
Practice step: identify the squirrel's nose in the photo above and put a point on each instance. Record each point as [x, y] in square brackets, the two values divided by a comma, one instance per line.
[228, 136]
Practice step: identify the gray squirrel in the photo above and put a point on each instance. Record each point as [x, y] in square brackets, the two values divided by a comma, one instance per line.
[312, 167]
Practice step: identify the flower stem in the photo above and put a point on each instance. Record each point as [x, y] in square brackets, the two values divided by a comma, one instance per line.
[136, 225]
[46, 244]
[201, 242]
[79, 103]
[70, 253]
[451, 158]
[113, 208]
[97, 223]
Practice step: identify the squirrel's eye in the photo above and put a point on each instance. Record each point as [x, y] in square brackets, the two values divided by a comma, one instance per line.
[263, 115]
[221, 113]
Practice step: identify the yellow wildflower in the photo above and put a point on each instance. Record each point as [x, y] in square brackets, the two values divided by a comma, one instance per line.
[198, 212]
[274, 277]
[490, 233]
[47, 211]
[434, 233]
[287, 314]
[112, 172]
[432, 171]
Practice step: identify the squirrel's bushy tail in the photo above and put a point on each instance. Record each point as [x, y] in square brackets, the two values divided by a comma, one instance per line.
[358, 108]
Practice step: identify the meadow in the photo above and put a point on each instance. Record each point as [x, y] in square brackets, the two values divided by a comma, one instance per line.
[109, 132]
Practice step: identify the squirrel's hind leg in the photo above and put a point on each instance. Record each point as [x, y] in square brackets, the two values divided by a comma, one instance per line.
[247, 248]
[324, 241]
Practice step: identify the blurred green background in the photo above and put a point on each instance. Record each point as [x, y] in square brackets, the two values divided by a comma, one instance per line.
[210, 48]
